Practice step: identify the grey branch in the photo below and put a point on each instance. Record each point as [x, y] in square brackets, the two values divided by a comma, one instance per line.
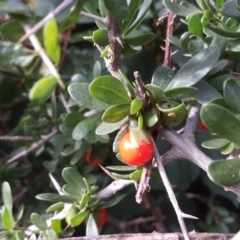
[64, 5]
[144, 182]
[192, 119]
[156, 235]
[95, 17]
[112, 188]
[16, 138]
[33, 147]
[170, 193]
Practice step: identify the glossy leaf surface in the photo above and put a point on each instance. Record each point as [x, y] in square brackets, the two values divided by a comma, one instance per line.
[195, 69]
[109, 90]
[225, 172]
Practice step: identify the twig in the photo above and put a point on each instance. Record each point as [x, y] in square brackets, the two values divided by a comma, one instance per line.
[65, 4]
[115, 40]
[33, 147]
[37, 46]
[191, 152]
[16, 138]
[156, 235]
[107, 172]
[112, 188]
[155, 212]
[141, 92]
[144, 182]
[168, 49]
[192, 119]
[170, 192]
[95, 17]
[67, 109]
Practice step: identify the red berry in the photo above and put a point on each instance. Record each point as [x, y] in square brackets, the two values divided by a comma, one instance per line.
[132, 155]
[100, 216]
[94, 162]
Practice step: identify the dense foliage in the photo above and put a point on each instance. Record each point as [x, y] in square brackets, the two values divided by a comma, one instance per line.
[71, 88]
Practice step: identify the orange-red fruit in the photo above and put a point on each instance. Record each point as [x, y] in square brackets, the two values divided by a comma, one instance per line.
[132, 155]
[100, 215]
[201, 126]
[94, 162]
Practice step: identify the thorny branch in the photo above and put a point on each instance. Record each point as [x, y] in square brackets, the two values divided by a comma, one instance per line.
[16, 138]
[169, 32]
[63, 6]
[144, 182]
[33, 147]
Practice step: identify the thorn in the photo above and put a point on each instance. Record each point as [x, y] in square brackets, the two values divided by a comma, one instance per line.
[184, 215]
[119, 40]
[107, 172]
[174, 52]
[163, 48]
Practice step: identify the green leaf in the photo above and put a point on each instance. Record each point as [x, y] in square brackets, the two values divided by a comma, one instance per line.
[106, 128]
[227, 149]
[162, 77]
[38, 221]
[56, 225]
[175, 41]
[180, 91]
[156, 93]
[73, 16]
[16, 8]
[220, 42]
[109, 90]
[221, 121]
[121, 168]
[9, 27]
[55, 207]
[229, 9]
[43, 89]
[205, 92]
[215, 143]
[117, 8]
[136, 106]
[223, 32]
[80, 93]
[195, 69]
[185, 40]
[218, 66]
[136, 175]
[132, 8]
[142, 12]
[195, 26]
[225, 172]
[195, 45]
[15, 54]
[97, 69]
[52, 197]
[51, 42]
[128, 51]
[102, 8]
[231, 92]
[217, 82]
[7, 218]
[118, 137]
[127, 83]
[84, 127]
[78, 219]
[140, 40]
[84, 200]
[114, 201]
[181, 10]
[74, 179]
[91, 228]
[100, 37]
[150, 118]
[7, 196]
[116, 113]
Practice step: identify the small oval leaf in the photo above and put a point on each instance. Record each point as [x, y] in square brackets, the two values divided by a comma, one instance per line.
[43, 89]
